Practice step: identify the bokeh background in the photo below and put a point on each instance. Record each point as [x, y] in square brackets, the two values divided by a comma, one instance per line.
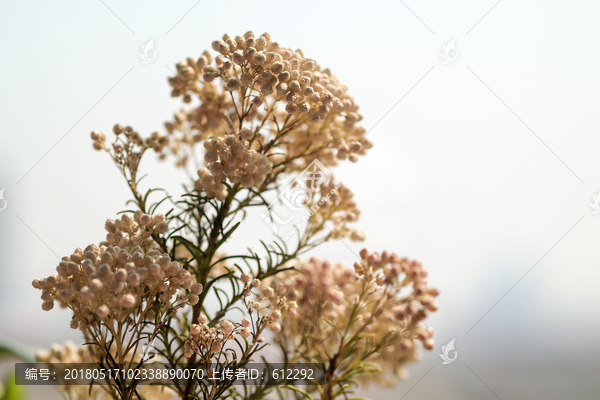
[483, 168]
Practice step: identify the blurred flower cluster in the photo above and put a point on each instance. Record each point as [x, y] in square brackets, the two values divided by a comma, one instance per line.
[73, 355]
[351, 317]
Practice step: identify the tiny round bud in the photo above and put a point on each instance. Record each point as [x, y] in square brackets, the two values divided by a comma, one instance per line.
[314, 117]
[161, 228]
[118, 129]
[364, 253]
[216, 346]
[202, 319]
[121, 275]
[428, 344]
[277, 67]
[266, 90]
[268, 292]
[246, 79]
[292, 108]
[238, 57]
[233, 84]
[51, 281]
[133, 279]
[117, 286]
[84, 294]
[246, 134]
[128, 301]
[195, 329]
[102, 311]
[96, 285]
[66, 295]
[196, 288]
[245, 333]
[154, 270]
[246, 277]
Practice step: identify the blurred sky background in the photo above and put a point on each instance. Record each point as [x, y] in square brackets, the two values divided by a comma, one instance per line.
[484, 168]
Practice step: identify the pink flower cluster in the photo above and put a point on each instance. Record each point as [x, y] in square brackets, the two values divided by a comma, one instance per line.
[384, 297]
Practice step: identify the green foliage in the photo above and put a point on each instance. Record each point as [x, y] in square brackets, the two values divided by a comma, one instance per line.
[12, 391]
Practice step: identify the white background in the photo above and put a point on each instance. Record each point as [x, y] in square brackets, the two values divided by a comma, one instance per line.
[483, 168]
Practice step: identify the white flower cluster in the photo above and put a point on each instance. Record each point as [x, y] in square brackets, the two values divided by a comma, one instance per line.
[279, 73]
[230, 157]
[270, 303]
[128, 138]
[137, 230]
[69, 353]
[111, 282]
[208, 341]
[284, 95]
[330, 142]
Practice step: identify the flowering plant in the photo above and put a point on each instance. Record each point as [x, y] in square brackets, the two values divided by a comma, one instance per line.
[265, 113]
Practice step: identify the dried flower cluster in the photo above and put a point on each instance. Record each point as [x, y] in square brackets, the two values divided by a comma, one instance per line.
[269, 306]
[230, 158]
[209, 342]
[284, 100]
[265, 112]
[108, 282]
[137, 230]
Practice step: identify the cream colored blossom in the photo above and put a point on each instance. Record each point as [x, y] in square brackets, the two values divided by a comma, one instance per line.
[287, 101]
[130, 230]
[72, 354]
[102, 283]
[228, 158]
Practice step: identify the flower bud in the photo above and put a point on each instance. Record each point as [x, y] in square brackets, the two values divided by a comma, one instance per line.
[275, 327]
[216, 346]
[196, 288]
[245, 333]
[102, 311]
[128, 301]
[195, 329]
[96, 285]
